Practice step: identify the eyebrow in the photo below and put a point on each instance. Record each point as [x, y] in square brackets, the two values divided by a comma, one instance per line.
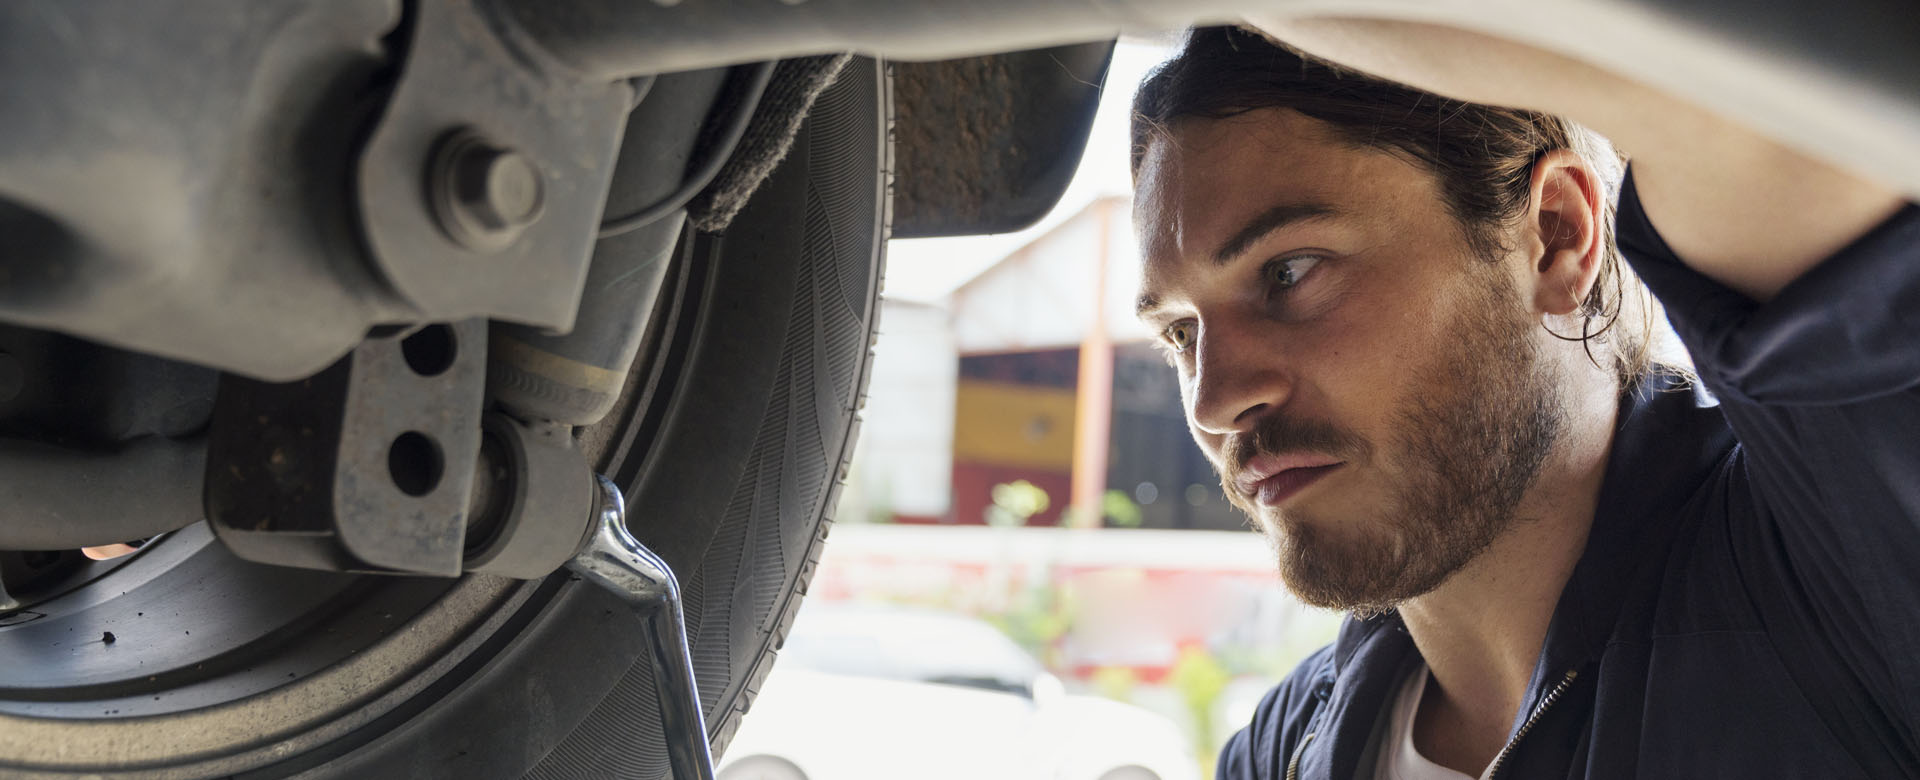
[1262, 224]
[1145, 305]
[1267, 222]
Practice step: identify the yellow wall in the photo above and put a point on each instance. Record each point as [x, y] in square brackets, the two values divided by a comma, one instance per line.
[1013, 425]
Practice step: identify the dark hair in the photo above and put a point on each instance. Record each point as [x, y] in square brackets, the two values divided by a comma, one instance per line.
[1482, 156]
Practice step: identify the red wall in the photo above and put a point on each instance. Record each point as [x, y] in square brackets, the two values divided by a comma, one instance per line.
[973, 490]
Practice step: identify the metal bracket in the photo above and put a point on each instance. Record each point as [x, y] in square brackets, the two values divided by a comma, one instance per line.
[366, 466]
[614, 560]
[481, 187]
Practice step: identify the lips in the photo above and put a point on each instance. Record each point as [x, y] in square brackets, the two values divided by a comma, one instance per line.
[1272, 479]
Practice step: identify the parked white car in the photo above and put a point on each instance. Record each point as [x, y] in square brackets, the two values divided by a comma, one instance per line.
[889, 692]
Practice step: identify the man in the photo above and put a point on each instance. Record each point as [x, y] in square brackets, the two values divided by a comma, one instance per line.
[1408, 343]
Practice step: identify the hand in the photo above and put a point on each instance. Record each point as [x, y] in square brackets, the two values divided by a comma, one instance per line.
[107, 552]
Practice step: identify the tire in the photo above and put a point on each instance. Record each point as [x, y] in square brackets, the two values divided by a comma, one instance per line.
[739, 424]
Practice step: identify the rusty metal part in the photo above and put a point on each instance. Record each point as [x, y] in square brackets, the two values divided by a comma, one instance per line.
[461, 78]
[366, 466]
[989, 144]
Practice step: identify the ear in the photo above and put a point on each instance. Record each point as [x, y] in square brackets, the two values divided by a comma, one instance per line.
[1565, 208]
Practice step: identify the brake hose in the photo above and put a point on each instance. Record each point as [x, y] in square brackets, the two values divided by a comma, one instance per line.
[704, 175]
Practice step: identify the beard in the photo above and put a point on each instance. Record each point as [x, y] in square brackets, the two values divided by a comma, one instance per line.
[1482, 419]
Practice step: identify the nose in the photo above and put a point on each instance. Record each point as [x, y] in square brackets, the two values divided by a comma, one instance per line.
[1238, 376]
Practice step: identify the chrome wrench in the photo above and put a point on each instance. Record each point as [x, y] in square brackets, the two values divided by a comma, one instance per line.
[613, 559]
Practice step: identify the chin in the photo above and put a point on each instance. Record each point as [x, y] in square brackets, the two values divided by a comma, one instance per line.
[1328, 522]
[1340, 566]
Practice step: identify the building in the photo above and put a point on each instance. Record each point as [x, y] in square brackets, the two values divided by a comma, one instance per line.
[1034, 370]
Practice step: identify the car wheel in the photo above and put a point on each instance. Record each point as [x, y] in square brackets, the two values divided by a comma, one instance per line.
[734, 431]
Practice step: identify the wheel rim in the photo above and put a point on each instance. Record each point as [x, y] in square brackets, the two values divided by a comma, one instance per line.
[254, 685]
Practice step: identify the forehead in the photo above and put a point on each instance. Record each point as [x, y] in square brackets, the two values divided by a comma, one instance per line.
[1204, 179]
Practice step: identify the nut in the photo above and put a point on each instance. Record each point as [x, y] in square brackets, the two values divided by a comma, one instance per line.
[484, 195]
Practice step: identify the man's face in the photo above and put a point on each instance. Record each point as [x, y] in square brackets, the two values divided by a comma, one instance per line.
[1368, 388]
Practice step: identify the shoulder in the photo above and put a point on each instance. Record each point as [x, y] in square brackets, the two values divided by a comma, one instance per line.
[1791, 350]
[1259, 751]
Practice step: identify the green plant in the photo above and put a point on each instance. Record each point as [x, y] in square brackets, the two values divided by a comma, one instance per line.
[1037, 618]
[1200, 679]
[1116, 682]
[1016, 502]
[1120, 510]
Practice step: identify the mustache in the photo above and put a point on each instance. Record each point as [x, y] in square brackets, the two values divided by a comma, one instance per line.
[1277, 434]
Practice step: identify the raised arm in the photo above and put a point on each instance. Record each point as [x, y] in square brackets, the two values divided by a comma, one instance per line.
[1738, 207]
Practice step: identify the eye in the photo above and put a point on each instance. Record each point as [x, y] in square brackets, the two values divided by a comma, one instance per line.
[1284, 273]
[1179, 335]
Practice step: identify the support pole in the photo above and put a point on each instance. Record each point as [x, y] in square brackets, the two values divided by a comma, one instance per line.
[1093, 401]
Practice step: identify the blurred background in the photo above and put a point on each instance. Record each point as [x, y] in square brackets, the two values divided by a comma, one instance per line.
[1024, 470]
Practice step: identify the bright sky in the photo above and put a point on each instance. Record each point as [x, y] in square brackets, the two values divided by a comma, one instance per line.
[928, 268]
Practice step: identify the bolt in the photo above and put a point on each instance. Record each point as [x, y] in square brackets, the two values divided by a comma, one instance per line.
[501, 187]
[484, 195]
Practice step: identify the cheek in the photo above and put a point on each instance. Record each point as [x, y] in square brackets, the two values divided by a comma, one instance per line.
[1360, 358]
[1211, 445]
[1351, 346]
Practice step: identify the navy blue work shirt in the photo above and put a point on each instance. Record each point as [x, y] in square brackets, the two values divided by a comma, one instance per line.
[1748, 604]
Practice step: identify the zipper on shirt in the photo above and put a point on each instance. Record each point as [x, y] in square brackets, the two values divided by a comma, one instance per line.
[1552, 696]
[1293, 767]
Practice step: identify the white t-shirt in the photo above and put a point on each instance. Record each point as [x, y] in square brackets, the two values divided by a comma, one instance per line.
[1398, 758]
